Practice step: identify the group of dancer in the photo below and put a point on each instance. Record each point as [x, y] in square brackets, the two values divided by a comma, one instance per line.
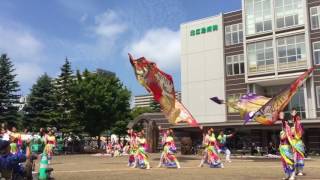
[17, 153]
[18, 141]
[138, 156]
[213, 147]
[291, 146]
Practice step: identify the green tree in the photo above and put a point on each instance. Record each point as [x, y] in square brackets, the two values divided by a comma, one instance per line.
[41, 104]
[155, 106]
[120, 127]
[137, 111]
[9, 87]
[63, 86]
[100, 102]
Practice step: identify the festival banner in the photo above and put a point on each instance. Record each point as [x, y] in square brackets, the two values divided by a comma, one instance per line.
[262, 109]
[269, 111]
[161, 86]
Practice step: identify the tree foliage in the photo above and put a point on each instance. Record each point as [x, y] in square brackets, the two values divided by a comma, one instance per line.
[155, 106]
[63, 85]
[100, 102]
[9, 87]
[41, 104]
[137, 111]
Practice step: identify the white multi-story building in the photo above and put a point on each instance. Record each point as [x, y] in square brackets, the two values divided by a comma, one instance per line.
[202, 68]
[261, 49]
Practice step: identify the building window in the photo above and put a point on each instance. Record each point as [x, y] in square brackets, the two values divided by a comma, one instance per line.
[288, 13]
[235, 65]
[315, 17]
[260, 57]
[316, 52]
[233, 34]
[233, 98]
[297, 102]
[318, 95]
[258, 16]
[291, 52]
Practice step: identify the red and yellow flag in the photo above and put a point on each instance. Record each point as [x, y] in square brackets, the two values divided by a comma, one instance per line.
[161, 86]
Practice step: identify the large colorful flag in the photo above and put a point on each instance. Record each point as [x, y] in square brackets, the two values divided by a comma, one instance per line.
[161, 86]
[246, 105]
[270, 111]
[262, 109]
[185, 115]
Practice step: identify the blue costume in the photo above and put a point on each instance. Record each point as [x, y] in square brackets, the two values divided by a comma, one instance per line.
[9, 163]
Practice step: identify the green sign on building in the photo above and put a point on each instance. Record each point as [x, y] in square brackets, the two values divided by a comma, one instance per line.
[203, 30]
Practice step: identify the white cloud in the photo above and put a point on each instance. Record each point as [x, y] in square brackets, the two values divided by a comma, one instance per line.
[19, 44]
[25, 50]
[109, 24]
[28, 72]
[83, 18]
[161, 46]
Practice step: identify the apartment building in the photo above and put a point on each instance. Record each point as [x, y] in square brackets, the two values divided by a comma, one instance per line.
[261, 49]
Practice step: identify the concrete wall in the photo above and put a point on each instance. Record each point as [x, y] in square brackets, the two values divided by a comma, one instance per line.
[202, 70]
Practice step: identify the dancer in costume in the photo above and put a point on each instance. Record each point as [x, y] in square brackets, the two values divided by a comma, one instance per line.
[211, 151]
[141, 157]
[50, 141]
[285, 149]
[205, 141]
[298, 146]
[222, 139]
[164, 135]
[15, 139]
[133, 147]
[167, 156]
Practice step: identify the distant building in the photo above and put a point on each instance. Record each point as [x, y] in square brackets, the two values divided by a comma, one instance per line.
[146, 99]
[22, 102]
[106, 72]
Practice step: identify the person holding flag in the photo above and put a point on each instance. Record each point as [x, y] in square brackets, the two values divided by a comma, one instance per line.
[298, 147]
[285, 149]
[211, 151]
[222, 139]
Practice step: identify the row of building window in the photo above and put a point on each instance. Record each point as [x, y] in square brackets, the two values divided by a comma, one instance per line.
[260, 55]
[259, 16]
[291, 53]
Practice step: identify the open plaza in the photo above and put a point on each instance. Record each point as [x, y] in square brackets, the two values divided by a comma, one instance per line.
[83, 167]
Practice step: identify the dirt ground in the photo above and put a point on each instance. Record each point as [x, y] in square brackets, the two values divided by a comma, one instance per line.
[88, 167]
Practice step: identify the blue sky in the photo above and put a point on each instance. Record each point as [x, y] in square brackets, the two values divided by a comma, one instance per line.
[37, 35]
